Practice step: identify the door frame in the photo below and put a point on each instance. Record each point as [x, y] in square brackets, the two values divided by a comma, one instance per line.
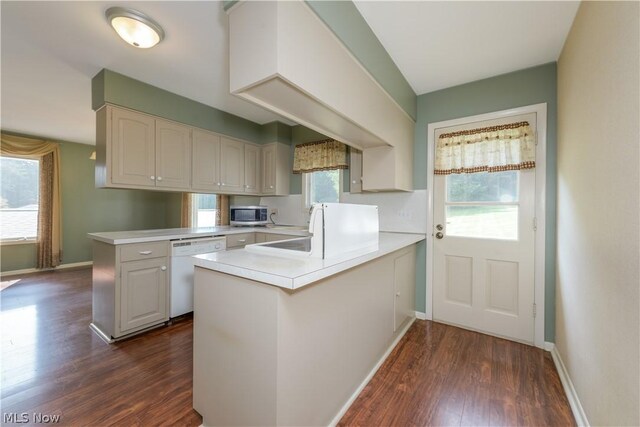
[540, 210]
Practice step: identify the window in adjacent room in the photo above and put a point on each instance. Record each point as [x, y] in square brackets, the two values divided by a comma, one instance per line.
[204, 210]
[19, 180]
[322, 187]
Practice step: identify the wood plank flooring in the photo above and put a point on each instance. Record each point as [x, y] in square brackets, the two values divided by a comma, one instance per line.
[53, 364]
[441, 375]
[437, 375]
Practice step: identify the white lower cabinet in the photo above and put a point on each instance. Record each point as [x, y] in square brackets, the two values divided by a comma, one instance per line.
[143, 293]
[130, 287]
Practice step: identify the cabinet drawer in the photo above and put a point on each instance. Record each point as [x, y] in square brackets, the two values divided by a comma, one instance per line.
[136, 251]
[239, 240]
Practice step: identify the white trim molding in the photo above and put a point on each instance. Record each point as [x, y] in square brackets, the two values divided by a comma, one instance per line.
[540, 210]
[4, 274]
[420, 315]
[569, 390]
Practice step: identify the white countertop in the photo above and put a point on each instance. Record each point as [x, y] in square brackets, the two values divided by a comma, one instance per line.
[142, 236]
[294, 273]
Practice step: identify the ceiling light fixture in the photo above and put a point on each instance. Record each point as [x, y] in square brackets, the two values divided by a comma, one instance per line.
[135, 27]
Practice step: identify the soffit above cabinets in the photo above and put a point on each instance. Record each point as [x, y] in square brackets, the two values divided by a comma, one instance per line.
[439, 44]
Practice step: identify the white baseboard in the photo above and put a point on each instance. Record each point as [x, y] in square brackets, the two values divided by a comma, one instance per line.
[373, 371]
[36, 270]
[420, 315]
[570, 391]
[549, 346]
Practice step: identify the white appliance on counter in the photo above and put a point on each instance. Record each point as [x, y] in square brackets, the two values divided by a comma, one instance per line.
[182, 265]
[337, 229]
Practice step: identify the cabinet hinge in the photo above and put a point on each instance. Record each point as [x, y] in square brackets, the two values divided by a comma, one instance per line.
[535, 223]
[535, 310]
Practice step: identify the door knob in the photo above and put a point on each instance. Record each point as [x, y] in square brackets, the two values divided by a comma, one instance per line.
[439, 227]
[439, 235]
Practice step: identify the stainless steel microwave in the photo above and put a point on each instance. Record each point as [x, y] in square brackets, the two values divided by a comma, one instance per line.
[248, 215]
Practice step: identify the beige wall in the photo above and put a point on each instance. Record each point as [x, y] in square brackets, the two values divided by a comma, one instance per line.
[597, 304]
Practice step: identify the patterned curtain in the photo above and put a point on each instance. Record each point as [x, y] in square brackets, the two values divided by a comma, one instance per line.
[319, 156]
[186, 217]
[490, 149]
[49, 244]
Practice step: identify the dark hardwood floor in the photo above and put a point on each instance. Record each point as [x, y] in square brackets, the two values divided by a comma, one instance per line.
[437, 375]
[446, 376]
[53, 364]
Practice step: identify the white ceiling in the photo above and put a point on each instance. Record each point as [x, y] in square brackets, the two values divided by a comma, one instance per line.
[439, 44]
[51, 50]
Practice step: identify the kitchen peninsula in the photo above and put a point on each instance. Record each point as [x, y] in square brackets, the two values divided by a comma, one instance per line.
[290, 341]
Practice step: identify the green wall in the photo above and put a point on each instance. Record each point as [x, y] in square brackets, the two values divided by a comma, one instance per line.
[525, 87]
[86, 209]
[110, 87]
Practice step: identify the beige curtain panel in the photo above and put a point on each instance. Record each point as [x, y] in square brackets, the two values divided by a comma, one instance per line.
[319, 156]
[49, 245]
[222, 202]
[490, 149]
[186, 217]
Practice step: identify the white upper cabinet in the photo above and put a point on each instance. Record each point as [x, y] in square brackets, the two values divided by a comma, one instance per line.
[275, 169]
[205, 172]
[231, 165]
[173, 155]
[133, 152]
[252, 169]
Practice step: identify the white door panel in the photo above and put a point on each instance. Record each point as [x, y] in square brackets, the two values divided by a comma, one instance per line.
[483, 264]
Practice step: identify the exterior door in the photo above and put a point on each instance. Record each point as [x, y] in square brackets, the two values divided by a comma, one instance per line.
[483, 265]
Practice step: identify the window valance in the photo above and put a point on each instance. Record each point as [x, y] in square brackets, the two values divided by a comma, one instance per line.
[323, 155]
[490, 149]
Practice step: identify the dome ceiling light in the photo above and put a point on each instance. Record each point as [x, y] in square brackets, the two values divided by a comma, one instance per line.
[135, 27]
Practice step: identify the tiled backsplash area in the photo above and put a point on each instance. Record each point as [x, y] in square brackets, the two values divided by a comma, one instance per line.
[400, 212]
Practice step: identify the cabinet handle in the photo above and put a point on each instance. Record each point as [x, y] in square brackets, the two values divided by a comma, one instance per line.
[145, 252]
[159, 178]
[152, 177]
[397, 294]
[223, 184]
[242, 240]
[163, 268]
[218, 184]
[271, 186]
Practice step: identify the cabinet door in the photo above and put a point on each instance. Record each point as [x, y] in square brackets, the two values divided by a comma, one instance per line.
[269, 169]
[133, 158]
[173, 155]
[205, 173]
[231, 165]
[251, 168]
[355, 171]
[404, 286]
[143, 293]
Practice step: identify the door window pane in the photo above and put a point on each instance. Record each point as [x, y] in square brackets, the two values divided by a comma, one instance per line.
[483, 221]
[18, 198]
[483, 187]
[205, 210]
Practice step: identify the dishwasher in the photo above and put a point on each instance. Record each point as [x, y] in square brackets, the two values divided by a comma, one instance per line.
[182, 266]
